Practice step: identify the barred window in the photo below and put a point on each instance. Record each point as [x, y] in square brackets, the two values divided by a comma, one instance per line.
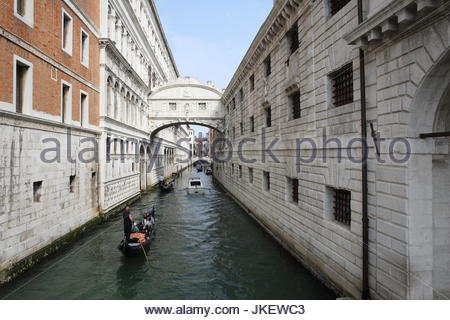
[294, 103]
[268, 113]
[266, 180]
[241, 95]
[268, 66]
[294, 190]
[342, 85]
[250, 175]
[242, 128]
[252, 124]
[240, 172]
[252, 83]
[342, 209]
[202, 106]
[292, 37]
[172, 106]
[337, 5]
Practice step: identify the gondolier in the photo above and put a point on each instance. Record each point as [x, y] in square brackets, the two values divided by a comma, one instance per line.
[127, 223]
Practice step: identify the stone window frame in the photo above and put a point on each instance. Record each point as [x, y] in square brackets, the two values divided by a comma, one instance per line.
[291, 92]
[27, 105]
[329, 7]
[250, 175]
[252, 124]
[68, 48]
[28, 16]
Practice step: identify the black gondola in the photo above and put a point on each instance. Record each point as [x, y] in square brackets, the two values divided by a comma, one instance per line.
[137, 248]
[166, 187]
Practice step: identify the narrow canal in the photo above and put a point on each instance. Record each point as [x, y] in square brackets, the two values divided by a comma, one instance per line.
[206, 247]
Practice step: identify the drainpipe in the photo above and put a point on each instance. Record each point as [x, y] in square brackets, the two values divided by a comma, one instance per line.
[365, 187]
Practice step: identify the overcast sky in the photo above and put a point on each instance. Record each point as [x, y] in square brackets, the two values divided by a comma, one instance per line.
[209, 38]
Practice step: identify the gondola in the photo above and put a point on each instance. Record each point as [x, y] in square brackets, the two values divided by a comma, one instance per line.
[166, 187]
[138, 244]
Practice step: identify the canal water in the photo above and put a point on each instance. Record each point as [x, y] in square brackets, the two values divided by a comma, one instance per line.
[206, 247]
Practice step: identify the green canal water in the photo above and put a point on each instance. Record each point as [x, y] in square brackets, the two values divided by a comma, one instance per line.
[206, 247]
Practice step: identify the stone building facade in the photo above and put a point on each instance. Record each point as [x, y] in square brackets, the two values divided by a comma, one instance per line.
[135, 59]
[294, 116]
[49, 99]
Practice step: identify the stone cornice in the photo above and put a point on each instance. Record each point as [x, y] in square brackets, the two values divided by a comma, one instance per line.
[277, 19]
[393, 19]
[51, 124]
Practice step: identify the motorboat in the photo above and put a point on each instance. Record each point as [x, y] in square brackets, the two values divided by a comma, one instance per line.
[195, 185]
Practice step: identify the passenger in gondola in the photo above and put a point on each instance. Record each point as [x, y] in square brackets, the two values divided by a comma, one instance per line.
[127, 223]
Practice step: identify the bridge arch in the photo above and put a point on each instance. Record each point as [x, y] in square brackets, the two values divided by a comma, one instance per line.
[186, 101]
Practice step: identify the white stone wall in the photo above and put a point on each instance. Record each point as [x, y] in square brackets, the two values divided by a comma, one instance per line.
[27, 226]
[406, 80]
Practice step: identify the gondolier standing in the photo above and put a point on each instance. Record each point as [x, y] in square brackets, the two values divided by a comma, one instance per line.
[127, 223]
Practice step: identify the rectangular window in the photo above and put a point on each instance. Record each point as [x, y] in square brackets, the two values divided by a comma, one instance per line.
[293, 40]
[232, 169]
[20, 7]
[72, 180]
[268, 114]
[266, 181]
[234, 133]
[267, 66]
[252, 83]
[84, 48]
[24, 10]
[67, 32]
[233, 102]
[108, 149]
[242, 128]
[172, 106]
[240, 172]
[241, 95]
[250, 175]
[252, 124]
[84, 109]
[66, 103]
[23, 83]
[294, 105]
[342, 85]
[337, 5]
[202, 106]
[294, 186]
[342, 206]
[37, 191]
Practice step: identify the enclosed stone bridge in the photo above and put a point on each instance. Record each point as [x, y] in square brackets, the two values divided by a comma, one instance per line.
[186, 101]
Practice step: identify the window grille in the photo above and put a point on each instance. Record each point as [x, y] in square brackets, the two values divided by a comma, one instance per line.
[342, 83]
[342, 208]
[295, 194]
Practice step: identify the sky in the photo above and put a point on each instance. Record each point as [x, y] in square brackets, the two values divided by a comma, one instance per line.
[209, 38]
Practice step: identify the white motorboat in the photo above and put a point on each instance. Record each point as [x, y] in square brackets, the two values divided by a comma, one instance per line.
[195, 185]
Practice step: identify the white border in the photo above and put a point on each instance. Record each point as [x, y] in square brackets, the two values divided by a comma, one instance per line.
[28, 19]
[70, 40]
[84, 116]
[84, 63]
[28, 103]
[68, 111]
